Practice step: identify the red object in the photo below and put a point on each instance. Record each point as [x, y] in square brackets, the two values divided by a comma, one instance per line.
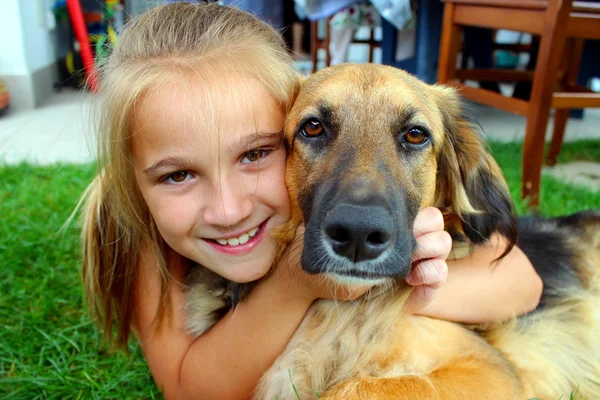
[81, 33]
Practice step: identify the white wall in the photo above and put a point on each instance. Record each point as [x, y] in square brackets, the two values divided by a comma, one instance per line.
[27, 39]
[27, 50]
[13, 60]
[38, 37]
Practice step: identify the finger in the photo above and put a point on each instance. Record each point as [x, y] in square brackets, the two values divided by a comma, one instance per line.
[429, 219]
[433, 245]
[432, 273]
[420, 298]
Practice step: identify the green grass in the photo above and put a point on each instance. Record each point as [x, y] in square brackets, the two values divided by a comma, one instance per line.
[556, 198]
[581, 150]
[49, 348]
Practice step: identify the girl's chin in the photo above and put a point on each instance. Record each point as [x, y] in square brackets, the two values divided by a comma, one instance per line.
[246, 278]
[245, 273]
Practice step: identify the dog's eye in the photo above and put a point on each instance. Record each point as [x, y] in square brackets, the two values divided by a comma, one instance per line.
[312, 128]
[415, 136]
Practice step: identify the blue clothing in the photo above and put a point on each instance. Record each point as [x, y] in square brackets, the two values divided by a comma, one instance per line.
[270, 11]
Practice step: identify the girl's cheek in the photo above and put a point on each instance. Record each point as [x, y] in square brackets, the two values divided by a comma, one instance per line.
[271, 180]
[174, 211]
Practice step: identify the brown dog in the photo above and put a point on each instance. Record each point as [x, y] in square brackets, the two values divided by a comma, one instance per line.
[369, 146]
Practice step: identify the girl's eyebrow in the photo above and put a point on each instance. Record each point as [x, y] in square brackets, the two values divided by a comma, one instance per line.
[247, 141]
[171, 161]
[181, 162]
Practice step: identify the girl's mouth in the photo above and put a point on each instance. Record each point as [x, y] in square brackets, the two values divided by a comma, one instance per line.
[241, 244]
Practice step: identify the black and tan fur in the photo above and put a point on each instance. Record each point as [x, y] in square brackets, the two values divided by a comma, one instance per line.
[370, 348]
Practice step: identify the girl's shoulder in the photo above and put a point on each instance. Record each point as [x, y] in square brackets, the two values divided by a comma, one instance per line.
[201, 294]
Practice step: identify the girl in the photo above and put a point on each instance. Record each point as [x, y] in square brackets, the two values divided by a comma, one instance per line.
[193, 103]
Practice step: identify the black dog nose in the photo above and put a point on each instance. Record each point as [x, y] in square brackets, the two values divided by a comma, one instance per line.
[359, 232]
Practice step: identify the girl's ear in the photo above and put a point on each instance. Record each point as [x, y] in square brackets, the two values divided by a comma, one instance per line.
[470, 184]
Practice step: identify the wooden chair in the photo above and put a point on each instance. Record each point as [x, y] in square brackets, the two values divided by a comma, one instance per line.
[562, 25]
[317, 43]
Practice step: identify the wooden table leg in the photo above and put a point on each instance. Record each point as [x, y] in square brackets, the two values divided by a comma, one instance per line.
[544, 81]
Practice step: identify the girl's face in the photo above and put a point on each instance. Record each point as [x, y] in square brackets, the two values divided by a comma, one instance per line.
[210, 164]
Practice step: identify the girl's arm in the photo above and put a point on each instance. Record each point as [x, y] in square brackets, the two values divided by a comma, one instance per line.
[228, 360]
[480, 289]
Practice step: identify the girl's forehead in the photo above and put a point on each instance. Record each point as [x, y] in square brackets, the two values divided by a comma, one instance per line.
[199, 112]
[224, 99]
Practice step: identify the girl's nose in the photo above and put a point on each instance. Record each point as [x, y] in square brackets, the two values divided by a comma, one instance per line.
[230, 205]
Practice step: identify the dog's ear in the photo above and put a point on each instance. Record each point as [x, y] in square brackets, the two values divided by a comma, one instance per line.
[288, 126]
[470, 185]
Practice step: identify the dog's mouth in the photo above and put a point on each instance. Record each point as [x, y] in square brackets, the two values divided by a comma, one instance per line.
[319, 258]
[367, 275]
[357, 276]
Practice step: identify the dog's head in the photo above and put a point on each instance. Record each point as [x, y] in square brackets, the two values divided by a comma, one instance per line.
[369, 146]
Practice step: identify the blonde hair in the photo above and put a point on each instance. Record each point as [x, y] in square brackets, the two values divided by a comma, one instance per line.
[153, 50]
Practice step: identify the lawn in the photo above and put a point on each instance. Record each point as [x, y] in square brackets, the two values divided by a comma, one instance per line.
[49, 349]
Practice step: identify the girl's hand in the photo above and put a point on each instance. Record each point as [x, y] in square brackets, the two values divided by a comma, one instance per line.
[297, 283]
[429, 271]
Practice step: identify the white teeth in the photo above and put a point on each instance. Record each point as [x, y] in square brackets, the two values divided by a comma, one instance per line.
[233, 241]
[244, 238]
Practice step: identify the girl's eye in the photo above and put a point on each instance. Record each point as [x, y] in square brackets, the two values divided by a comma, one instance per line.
[178, 177]
[254, 155]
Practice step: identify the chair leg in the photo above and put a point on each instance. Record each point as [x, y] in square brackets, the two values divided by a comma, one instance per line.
[371, 45]
[449, 46]
[544, 81]
[314, 44]
[327, 42]
[572, 56]
[558, 133]
[533, 154]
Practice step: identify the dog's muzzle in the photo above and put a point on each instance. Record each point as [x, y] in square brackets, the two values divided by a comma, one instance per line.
[358, 232]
